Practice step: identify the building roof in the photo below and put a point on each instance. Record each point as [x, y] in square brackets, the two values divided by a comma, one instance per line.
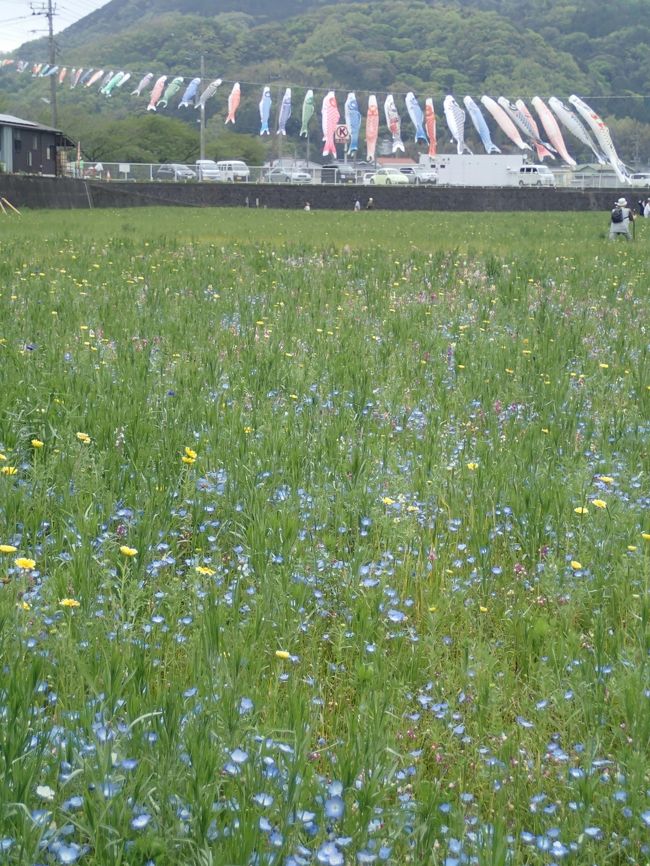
[396, 161]
[11, 120]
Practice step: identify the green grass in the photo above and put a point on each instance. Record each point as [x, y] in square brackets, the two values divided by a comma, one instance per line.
[395, 419]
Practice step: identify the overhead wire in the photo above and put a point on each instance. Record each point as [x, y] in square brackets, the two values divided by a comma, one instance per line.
[283, 83]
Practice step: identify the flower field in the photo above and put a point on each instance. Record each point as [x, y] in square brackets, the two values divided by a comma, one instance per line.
[324, 539]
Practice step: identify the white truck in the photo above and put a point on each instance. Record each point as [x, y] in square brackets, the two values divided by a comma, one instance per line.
[488, 170]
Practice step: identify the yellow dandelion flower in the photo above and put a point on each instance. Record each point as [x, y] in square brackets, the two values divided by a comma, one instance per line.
[84, 438]
[645, 535]
[388, 501]
[433, 608]
[188, 460]
[3, 456]
[581, 510]
[203, 569]
[472, 466]
[69, 602]
[7, 548]
[575, 565]
[189, 452]
[282, 654]
[599, 503]
[25, 606]
[9, 470]
[24, 563]
[483, 609]
[128, 551]
[606, 479]
[36, 443]
[603, 366]
[631, 547]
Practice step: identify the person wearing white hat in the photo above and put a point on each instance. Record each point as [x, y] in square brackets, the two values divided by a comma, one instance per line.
[621, 218]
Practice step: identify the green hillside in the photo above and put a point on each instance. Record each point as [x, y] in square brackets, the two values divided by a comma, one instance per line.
[500, 47]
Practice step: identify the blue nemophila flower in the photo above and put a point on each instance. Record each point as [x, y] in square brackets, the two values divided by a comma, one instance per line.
[263, 799]
[334, 808]
[645, 817]
[141, 821]
[239, 756]
[73, 803]
[245, 706]
[6, 843]
[396, 615]
[593, 833]
[524, 723]
[329, 855]
[110, 789]
[40, 817]
[66, 853]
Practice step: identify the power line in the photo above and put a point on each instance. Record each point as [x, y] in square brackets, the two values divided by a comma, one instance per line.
[280, 83]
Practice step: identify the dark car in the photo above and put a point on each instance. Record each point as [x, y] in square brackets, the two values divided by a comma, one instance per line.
[175, 171]
[338, 173]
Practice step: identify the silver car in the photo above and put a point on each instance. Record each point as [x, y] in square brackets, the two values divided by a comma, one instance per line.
[287, 175]
[175, 171]
[420, 174]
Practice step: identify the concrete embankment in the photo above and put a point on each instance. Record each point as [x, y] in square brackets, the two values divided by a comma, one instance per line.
[44, 192]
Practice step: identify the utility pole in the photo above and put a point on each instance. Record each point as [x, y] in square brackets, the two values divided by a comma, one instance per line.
[202, 113]
[49, 10]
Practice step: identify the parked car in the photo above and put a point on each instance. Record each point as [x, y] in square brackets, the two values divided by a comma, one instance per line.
[175, 171]
[640, 179]
[420, 174]
[207, 169]
[233, 170]
[336, 172]
[536, 175]
[388, 176]
[287, 175]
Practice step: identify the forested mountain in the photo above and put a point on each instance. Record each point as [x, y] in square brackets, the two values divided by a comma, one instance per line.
[515, 48]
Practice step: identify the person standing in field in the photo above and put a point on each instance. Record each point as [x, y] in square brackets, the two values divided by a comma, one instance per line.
[621, 219]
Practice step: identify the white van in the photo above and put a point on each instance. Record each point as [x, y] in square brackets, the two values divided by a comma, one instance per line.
[233, 170]
[536, 175]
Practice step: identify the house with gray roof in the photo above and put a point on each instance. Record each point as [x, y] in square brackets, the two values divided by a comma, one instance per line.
[30, 148]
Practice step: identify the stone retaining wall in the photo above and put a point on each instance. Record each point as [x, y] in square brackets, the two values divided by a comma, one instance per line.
[44, 192]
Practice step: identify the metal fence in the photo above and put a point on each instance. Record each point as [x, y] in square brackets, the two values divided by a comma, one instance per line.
[178, 173]
[352, 173]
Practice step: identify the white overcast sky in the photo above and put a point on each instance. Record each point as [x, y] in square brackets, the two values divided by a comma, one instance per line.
[17, 23]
